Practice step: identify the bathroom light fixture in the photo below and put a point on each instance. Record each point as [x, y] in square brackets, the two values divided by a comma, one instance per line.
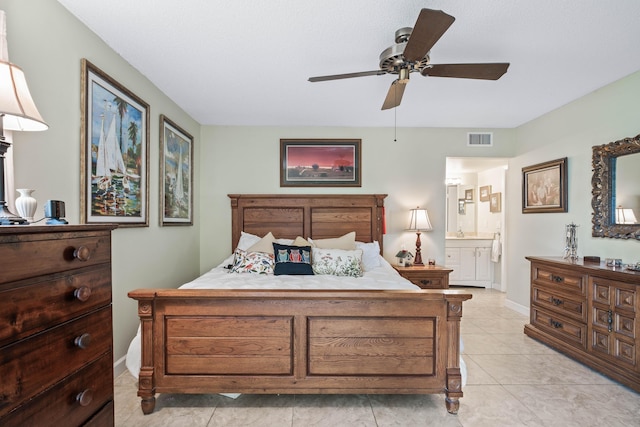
[419, 222]
[17, 112]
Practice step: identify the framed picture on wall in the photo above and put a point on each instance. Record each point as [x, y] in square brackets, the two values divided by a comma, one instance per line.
[176, 174]
[485, 191]
[495, 202]
[114, 152]
[468, 195]
[544, 187]
[320, 163]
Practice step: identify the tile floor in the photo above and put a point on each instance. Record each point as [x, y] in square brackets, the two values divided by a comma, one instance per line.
[512, 381]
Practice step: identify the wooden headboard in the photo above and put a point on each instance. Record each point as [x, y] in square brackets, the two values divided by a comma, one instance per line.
[318, 216]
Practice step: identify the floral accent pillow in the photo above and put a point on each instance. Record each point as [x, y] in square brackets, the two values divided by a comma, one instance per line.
[252, 262]
[337, 262]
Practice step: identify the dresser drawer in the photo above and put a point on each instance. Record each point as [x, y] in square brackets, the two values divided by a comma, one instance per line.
[558, 278]
[563, 328]
[558, 303]
[34, 364]
[40, 303]
[72, 401]
[52, 253]
[426, 282]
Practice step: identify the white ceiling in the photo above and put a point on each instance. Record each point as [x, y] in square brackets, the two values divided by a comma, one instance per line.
[247, 62]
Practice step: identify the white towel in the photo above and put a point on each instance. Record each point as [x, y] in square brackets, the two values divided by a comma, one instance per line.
[496, 249]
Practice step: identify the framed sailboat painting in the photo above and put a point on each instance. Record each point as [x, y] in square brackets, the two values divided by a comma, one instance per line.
[176, 174]
[114, 152]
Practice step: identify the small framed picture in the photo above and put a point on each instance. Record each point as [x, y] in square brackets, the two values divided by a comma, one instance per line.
[485, 192]
[495, 202]
[544, 187]
[468, 195]
[462, 207]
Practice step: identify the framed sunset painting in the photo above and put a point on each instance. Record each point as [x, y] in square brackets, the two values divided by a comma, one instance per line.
[320, 163]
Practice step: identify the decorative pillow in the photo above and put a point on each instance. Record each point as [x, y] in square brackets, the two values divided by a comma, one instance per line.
[252, 262]
[246, 240]
[263, 245]
[346, 242]
[370, 255]
[337, 262]
[300, 241]
[292, 260]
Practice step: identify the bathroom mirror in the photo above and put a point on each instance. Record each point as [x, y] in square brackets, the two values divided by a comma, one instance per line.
[615, 193]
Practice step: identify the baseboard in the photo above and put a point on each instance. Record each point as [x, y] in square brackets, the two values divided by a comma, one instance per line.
[516, 307]
[119, 366]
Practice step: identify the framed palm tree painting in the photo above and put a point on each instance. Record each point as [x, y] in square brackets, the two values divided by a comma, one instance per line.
[114, 152]
[176, 174]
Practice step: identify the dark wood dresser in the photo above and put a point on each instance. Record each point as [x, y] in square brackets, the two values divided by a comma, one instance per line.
[56, 343]
[426, 276]
[589, 312]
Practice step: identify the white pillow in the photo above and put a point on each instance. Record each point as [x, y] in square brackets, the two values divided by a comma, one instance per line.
[336, 262]
[346, 242]
[370, 254]
[247, 240]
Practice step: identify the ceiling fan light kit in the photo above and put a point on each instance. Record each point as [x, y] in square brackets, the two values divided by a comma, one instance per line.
[411, 53]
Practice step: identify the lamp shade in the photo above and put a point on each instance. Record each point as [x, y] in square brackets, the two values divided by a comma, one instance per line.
[419, 220]
[625, 216]
[17, 106]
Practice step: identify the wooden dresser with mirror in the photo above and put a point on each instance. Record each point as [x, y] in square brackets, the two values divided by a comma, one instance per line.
[56, 343]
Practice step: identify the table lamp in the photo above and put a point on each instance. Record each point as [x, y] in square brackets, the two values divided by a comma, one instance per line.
[17, 112]
[419, 222]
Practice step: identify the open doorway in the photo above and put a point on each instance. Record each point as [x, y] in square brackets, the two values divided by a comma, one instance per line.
[475, 214]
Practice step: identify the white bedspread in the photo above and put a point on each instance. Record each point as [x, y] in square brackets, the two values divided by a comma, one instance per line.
[380, 278]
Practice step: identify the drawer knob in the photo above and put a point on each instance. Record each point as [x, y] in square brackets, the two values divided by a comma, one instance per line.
[425, 282]
[82, 253]
[82, 293]
[556, 301]
[85, 397]
[82, 341]
[555, 324]
[557, 279]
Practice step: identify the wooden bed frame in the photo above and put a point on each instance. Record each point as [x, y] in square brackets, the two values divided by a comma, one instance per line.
[301, 341]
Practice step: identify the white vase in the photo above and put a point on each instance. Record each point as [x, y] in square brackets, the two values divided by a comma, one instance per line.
[25, 204]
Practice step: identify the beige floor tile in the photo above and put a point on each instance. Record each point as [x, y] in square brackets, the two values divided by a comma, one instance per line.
[412, 410]
[332, 410]
[493, 406]
[254, 410]
[580, 405]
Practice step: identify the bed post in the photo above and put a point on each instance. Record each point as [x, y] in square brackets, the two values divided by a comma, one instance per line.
[146, 382]
[454, 378]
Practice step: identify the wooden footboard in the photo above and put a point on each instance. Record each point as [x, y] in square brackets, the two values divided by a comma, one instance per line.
[300, 342]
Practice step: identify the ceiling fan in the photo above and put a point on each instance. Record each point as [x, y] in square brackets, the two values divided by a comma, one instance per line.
[410, 54]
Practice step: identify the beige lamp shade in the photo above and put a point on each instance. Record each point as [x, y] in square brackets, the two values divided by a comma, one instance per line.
[419, 220]
[17, 106]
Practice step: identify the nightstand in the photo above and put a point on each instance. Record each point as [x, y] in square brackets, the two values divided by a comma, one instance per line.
[426, 276]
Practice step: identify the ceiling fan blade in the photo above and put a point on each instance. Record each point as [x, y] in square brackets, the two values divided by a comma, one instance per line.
[394, 96]
[347, 76]
[488, 71]
[430, 26]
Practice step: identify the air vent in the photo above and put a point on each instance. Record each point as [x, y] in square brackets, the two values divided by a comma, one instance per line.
[480, 139]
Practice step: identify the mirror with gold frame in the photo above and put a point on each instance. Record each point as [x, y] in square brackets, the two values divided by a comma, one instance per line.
[615, 193]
